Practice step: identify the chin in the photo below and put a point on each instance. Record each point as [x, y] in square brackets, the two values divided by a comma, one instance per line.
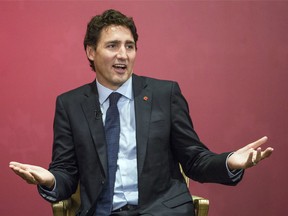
[121, 78]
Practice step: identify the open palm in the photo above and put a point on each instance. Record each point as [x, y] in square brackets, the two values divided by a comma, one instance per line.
[249, 155]
[33, 174]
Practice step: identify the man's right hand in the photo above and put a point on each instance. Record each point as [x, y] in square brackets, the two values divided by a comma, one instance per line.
[33, 174]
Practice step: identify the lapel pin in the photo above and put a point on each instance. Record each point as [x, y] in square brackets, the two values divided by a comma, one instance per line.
[145, 98]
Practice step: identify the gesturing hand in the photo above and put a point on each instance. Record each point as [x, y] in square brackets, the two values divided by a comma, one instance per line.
[249, 155]
[33, 174]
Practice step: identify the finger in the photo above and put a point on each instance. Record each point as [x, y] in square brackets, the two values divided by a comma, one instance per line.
[24, 174]
[267, 153]
[25, 171]
[37, 176]
[260, 155]
[29, 178]
[32, 180]
[16, 169]
[14, 163]
[258, 142]
[18, 165]
[257, 157]
[249, 162]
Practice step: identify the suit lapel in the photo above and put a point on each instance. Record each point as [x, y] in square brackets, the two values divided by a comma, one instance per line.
[143, 103]
[92, 111]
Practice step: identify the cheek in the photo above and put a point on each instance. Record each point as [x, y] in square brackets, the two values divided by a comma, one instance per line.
[103, 62]
[132, 59]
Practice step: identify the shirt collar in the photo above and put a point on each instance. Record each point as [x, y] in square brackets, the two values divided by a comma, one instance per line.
[125, 89]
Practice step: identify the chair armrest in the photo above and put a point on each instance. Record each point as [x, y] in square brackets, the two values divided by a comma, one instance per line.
[201, 205]
[61, 208]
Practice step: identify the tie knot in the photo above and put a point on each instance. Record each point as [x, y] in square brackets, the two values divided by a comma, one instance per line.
[113, 98]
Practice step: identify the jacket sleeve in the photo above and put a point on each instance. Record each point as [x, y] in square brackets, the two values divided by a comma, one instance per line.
[198, 162]
[64, 164]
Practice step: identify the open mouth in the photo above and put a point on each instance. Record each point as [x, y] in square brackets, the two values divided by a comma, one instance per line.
[120, 67]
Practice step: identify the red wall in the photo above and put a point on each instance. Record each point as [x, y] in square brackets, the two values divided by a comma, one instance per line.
[230, 58]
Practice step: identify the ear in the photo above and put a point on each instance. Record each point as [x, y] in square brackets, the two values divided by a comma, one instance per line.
[90, 52]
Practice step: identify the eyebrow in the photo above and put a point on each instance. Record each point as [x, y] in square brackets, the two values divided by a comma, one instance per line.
[118, 41]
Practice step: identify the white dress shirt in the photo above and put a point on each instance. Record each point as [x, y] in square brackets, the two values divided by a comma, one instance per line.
[126, 184]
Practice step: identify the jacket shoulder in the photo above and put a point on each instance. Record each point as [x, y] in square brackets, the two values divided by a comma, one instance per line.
[156, 82]
[86, 88]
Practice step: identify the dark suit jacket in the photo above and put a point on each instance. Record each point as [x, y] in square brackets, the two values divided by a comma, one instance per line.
[165, 137]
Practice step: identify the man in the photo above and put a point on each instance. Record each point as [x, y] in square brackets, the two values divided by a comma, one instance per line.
[155, 135]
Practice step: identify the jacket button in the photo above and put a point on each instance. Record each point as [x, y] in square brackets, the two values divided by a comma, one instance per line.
[102, 182]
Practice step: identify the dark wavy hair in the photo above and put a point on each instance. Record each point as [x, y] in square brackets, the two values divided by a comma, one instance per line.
[99, 22]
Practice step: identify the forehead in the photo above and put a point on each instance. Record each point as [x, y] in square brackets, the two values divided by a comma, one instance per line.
[115, 32]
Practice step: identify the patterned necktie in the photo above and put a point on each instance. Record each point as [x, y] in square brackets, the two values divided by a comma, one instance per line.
[112, 133]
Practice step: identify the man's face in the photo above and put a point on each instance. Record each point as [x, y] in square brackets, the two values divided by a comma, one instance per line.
[114, 56]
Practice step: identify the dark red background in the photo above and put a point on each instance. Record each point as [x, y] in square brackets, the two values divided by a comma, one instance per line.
[229, 57]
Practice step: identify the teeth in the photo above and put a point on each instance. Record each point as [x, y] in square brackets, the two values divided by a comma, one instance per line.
[120, 66]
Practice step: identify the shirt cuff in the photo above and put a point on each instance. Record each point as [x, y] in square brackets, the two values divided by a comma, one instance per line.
[47, 194]
[235, 175]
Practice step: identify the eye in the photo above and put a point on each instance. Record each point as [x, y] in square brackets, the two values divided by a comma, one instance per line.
[111, 46]
[130, 46]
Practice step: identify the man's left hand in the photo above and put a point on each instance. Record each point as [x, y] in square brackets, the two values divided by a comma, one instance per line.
[249, 156]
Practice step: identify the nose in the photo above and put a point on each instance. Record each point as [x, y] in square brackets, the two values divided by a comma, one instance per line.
[122, 53]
